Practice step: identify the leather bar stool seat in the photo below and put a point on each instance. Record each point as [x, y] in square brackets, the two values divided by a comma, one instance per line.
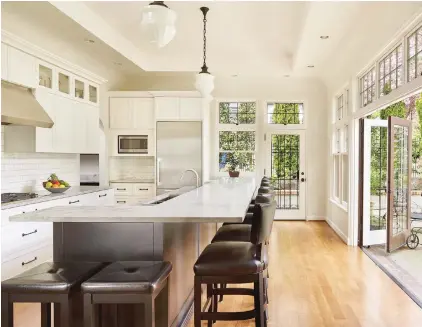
[50, 282]
[228, 259]
[128, 282]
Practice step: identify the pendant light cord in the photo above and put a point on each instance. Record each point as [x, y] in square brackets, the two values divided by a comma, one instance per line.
[204, 67]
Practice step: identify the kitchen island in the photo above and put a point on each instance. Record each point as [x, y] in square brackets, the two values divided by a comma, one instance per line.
[176, 230]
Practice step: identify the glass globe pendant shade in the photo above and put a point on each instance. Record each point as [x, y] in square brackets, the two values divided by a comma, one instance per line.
[158, 24]
[204, 83]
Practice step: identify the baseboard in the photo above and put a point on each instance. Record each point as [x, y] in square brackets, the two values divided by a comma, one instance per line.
[316, 218]
[337, 230]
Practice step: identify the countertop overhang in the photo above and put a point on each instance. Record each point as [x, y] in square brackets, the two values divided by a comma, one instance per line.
[222, 200]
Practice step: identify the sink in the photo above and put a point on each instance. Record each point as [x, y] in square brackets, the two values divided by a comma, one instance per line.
[169, 197]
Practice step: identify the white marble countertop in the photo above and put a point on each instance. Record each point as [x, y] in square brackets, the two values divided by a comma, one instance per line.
[44, 195]
[223, 200]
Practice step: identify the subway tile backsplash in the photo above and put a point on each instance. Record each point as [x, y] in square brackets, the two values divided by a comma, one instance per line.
[132, 168]
[25, 172]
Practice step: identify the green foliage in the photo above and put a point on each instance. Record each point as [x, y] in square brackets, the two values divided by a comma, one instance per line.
[237, 112]
[286, 113]
[285, 156]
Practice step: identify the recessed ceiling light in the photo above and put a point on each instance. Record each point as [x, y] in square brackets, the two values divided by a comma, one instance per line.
[311, 66]
[89, 41]
[235, 75]
[117, 63]
[324, 37]
[286, 75]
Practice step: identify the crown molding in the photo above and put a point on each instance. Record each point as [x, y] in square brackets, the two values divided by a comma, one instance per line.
[40, 53]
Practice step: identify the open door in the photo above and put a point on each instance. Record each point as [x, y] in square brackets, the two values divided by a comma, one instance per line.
[375, 149]
[399, 182]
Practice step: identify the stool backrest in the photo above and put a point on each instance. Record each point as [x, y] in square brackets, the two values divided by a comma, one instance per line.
[266, 183]
[265, 190]
[264, 198]
[262, 222]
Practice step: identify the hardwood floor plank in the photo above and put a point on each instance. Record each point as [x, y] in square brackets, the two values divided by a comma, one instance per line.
[315, 281]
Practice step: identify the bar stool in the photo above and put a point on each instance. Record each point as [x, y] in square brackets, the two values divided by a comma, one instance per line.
[127, 282]
[50, 282]
[235, 263]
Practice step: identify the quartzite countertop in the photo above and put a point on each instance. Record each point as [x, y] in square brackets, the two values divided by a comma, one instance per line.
[44, 196]
[223, 200]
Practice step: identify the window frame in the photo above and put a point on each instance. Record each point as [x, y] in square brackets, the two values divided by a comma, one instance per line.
[221, 127]
[340, 108]
[401, 68]
[374, 85]
[269, 127]
[407, 53]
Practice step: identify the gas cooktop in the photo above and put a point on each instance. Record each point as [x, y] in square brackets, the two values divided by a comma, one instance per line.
[12, 197]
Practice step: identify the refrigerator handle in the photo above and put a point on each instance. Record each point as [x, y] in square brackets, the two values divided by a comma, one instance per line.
[158, 171]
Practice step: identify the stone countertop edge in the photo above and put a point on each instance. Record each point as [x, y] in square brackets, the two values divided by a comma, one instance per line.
[44, 197]
[225, 200]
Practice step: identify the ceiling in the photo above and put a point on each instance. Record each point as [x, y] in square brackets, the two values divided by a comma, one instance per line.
[45, 26]
[245, 38]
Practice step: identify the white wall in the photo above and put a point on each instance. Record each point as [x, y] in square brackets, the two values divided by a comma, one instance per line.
[25, 172]
[311, 91]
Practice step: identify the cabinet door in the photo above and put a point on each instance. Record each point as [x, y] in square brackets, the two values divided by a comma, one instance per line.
[143, 111]
[44, 136]
[167, 108]
[21, 68]
[92, 135]
[4, 68]
[121, 113]
[190, 108]
[64, 127]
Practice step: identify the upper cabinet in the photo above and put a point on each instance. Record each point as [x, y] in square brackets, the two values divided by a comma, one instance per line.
[131, 113]
[175, 108]
[18, 67]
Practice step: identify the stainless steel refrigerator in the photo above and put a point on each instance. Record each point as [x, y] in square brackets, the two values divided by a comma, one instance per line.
[179, 147]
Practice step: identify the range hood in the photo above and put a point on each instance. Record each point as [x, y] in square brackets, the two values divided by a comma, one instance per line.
[19, 107]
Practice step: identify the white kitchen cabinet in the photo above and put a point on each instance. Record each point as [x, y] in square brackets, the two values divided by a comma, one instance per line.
[190, 108]
[121, 113]
[167, 108]
[44, 136]
[4, 64]
[92, 129]
[143, 113]
[172, 108]
[66, 134]
[22, 68]
[131, 113]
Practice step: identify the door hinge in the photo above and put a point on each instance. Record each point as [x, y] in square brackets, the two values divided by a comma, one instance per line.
[265, 137]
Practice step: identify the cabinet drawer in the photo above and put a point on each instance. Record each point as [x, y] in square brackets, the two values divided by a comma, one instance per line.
[128, 200]
[18, 238]
[143, 190]
[122, 188]
[27, 261]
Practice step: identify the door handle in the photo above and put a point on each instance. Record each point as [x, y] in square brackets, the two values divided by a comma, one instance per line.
[303, 180]
[158, 171]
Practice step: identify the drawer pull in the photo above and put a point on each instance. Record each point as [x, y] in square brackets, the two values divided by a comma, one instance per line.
[143, 189]
[121, 201]
[25, 263]
[70, 202]
[121, 189]
[102, 195]
[26, 234]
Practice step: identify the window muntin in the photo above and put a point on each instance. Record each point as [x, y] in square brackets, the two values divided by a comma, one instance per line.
[367, 87]
[285, 113]
[340, 105]
[345, 178]
[390, 71]
[237, 113]
[336, 179]
[414, 55]
[345, 139]
[347, 102]
[237, 147]
[337, 141]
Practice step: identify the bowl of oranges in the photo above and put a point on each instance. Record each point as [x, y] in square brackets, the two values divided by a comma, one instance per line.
[55, 185]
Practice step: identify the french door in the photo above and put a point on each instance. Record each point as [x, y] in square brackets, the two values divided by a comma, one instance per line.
[399, 182]
[286, 168]
[375, 154]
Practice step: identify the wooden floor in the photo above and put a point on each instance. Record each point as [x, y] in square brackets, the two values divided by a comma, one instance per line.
[315, 281]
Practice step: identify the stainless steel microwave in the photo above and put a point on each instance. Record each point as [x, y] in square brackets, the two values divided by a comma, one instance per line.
[132, 144]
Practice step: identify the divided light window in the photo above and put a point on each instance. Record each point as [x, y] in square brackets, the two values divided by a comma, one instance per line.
[237, 113]
[414, 55]
[367, 88]
[285, 113]
[390, 71]
[340, 105]
[237, 148]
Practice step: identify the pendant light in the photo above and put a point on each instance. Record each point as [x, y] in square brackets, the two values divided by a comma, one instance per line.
[204, 80]
[158, 23]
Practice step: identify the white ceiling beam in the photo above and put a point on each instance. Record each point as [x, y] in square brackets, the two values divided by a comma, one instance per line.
[88, 19]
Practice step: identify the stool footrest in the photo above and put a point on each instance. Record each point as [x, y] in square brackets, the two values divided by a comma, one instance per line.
[233, 291]
[228, 316]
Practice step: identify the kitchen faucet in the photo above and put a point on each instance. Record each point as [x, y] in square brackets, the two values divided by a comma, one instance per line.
[196, 175]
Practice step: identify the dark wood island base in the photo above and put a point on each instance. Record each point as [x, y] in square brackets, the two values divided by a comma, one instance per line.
[179, 243]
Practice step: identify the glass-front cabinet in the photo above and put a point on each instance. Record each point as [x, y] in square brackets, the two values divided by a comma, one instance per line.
[93, 94]
[64, 83]
[79, 89]
[45, 76]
